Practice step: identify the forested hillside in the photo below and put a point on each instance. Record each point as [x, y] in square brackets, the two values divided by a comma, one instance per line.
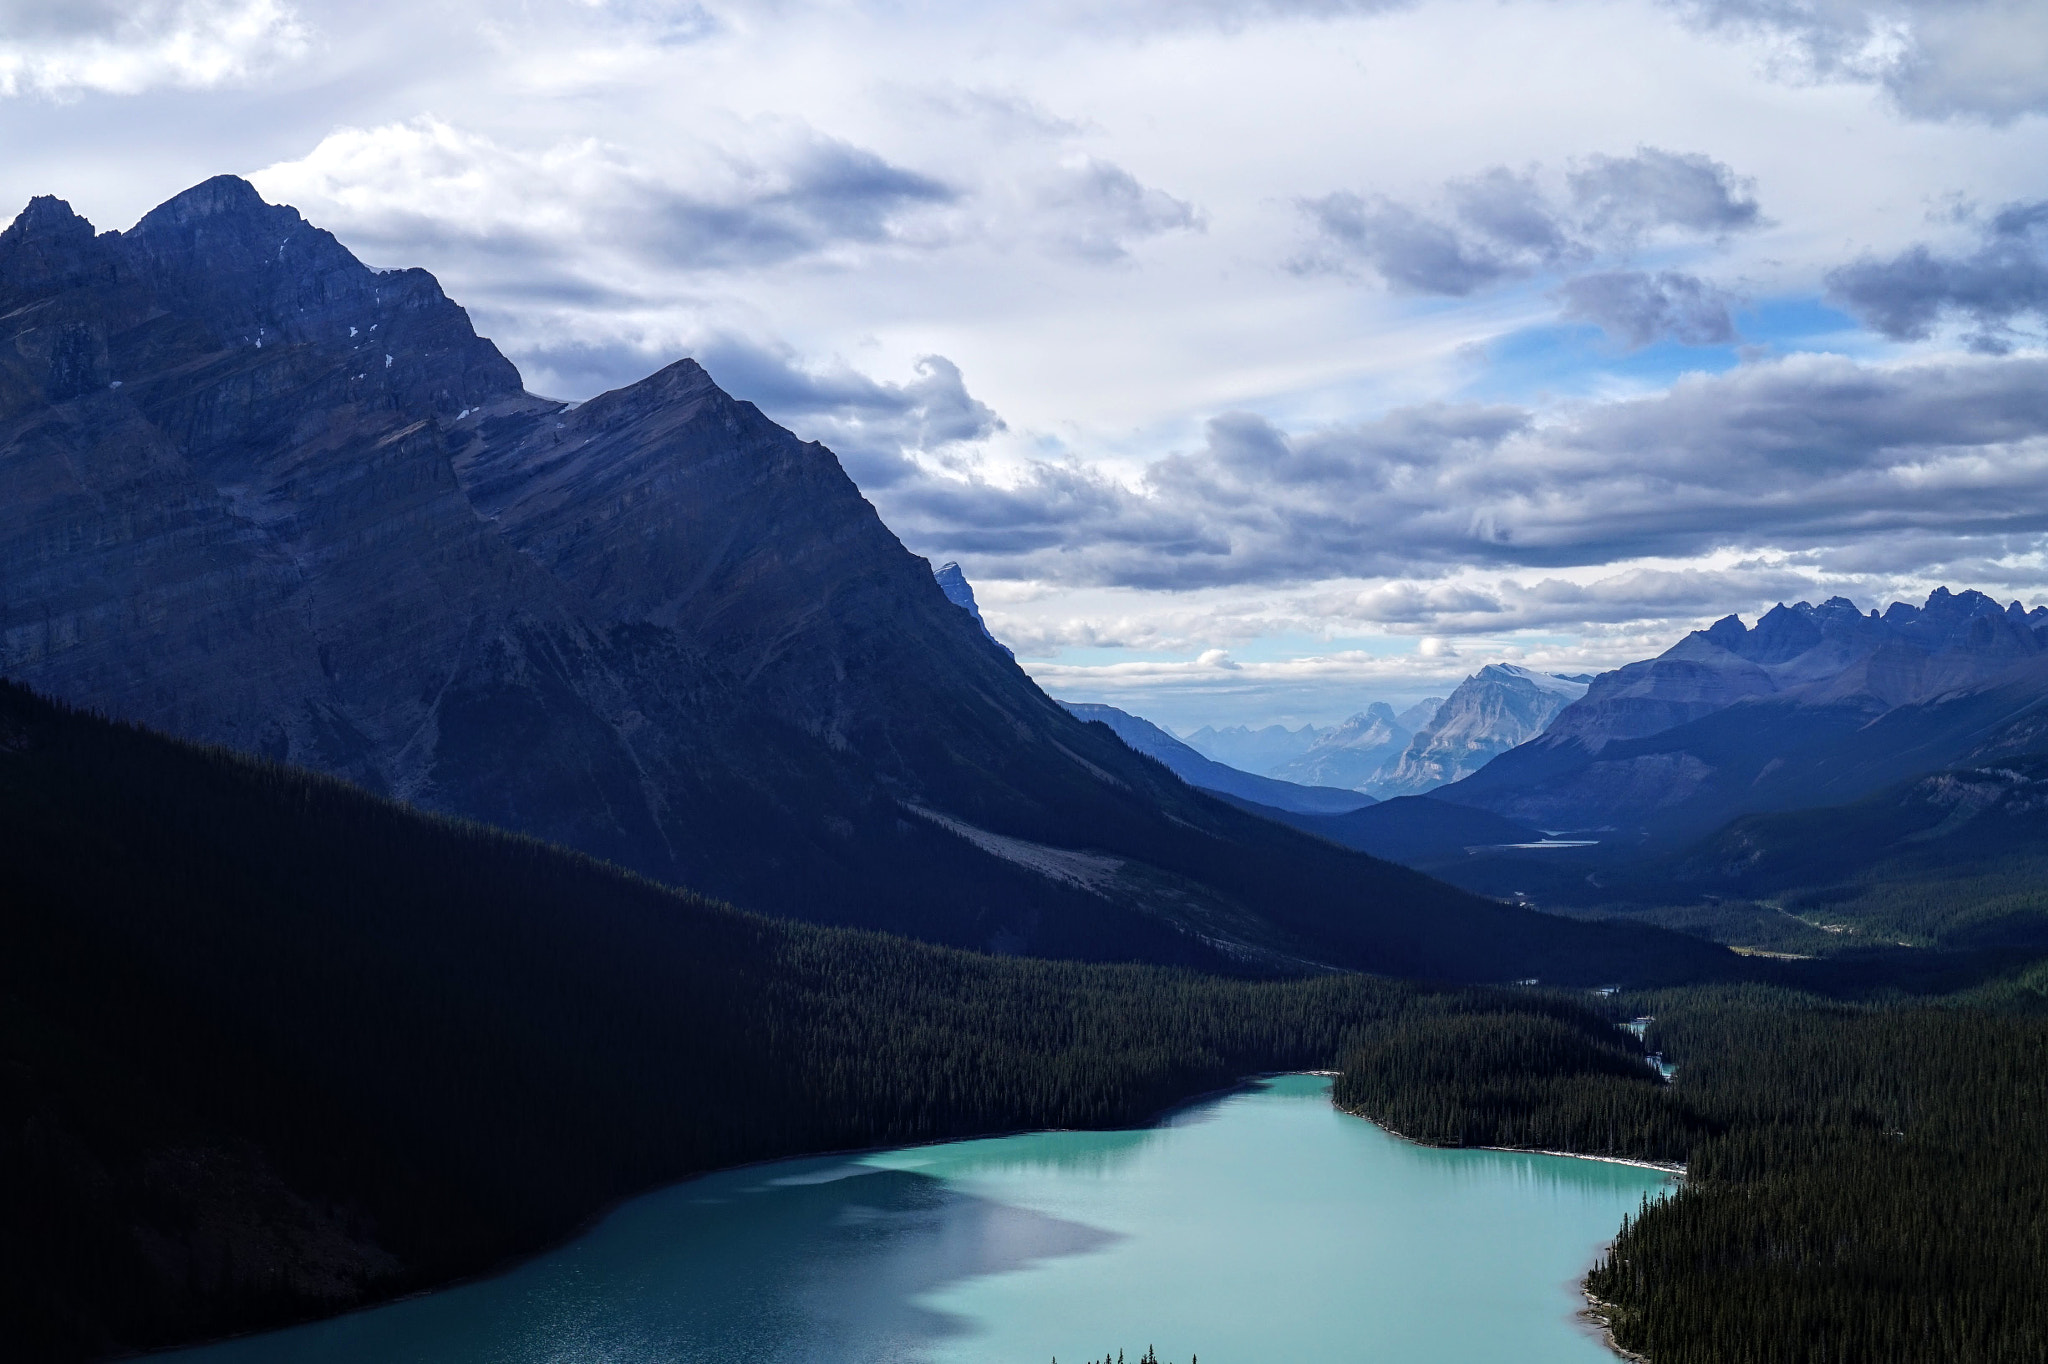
[1866, 1182]
[270, 1046]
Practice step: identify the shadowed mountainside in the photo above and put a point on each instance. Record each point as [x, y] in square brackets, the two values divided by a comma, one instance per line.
[256, 493]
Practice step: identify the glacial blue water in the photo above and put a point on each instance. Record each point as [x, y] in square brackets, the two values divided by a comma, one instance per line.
[1263, 1227]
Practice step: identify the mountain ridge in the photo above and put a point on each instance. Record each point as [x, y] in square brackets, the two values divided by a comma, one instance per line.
[259, 494]
[1813, 706]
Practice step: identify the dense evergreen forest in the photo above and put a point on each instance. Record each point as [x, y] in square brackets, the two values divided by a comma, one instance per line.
[1866, 1182]
[270, 1047]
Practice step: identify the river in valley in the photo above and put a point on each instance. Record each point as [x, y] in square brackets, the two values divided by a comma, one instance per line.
[1262, 1227]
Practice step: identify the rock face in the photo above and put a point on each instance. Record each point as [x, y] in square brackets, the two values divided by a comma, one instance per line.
[1196, 770]
[254, 493]
[1815, 704]
[1498, 707]
[952, 581]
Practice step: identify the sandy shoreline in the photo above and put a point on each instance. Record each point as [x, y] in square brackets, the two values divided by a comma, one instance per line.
[1669, 1167]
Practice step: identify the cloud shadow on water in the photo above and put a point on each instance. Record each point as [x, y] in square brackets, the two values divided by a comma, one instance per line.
[822, 1263]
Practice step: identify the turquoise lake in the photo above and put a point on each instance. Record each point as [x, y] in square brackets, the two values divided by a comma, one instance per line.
[1263, 1227]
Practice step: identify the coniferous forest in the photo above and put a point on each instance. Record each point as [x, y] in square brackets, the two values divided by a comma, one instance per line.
[274, 1047]
[1865, 1181]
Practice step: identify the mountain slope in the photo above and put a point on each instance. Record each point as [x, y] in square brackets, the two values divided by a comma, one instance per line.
[1196, 770]
[1815, 706]
[1492, 711]
[1353, 754]
[260, 495]
[270, 1046]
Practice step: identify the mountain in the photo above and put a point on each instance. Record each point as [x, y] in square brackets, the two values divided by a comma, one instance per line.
[1269, 750]
[260, 495]
[1352, 754]
[1196, 770]
[1259, 751]
[1816, 705]
[271, 1047]
[953, 582]
[1492, 711]
[1417, 716]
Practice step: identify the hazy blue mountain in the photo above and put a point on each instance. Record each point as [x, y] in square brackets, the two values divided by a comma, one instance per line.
[1196, 770]
[953, 582]
[1498, 707]
[1352, 754]
[1814, 705]
[1261, 751]
[261, 495]
[1418, 716]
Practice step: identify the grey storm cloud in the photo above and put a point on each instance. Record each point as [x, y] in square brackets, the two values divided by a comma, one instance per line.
[872, 425]
[1410, 252]
[829, 192]
[588, 225]
[1804, 452]
[1639, 307]
[1503, 225]
[1627, 195]
[21, 19]
[875, 427]
[1983, 59]
[1101, 209]
[2002, 280]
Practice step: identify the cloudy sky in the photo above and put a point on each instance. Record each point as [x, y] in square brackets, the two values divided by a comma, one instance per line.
[1257, 360]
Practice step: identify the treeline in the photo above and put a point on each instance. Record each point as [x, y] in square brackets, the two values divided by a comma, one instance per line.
[1540, 1071]
[1866, 1183]
[271, 1047]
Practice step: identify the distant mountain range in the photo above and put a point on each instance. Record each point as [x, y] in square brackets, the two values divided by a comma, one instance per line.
[1352, 754]
[1385, 754]
[1814, 705]
[1498, 707]
[263, 496]
[1196, 770]
[1253, 750]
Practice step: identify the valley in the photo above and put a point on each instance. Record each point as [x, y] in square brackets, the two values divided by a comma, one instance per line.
[437, 815]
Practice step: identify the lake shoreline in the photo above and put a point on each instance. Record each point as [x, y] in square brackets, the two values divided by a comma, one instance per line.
[1669, 1167]
[1597, 1311]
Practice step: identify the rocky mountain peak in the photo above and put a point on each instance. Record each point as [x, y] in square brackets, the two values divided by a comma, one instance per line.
[1493, 710]
[48, 219]
[47, 246]
[224, 196]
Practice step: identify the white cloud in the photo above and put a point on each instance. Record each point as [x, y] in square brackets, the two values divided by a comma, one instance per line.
[1024, 266]
[1983, 59]
[68, 47]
